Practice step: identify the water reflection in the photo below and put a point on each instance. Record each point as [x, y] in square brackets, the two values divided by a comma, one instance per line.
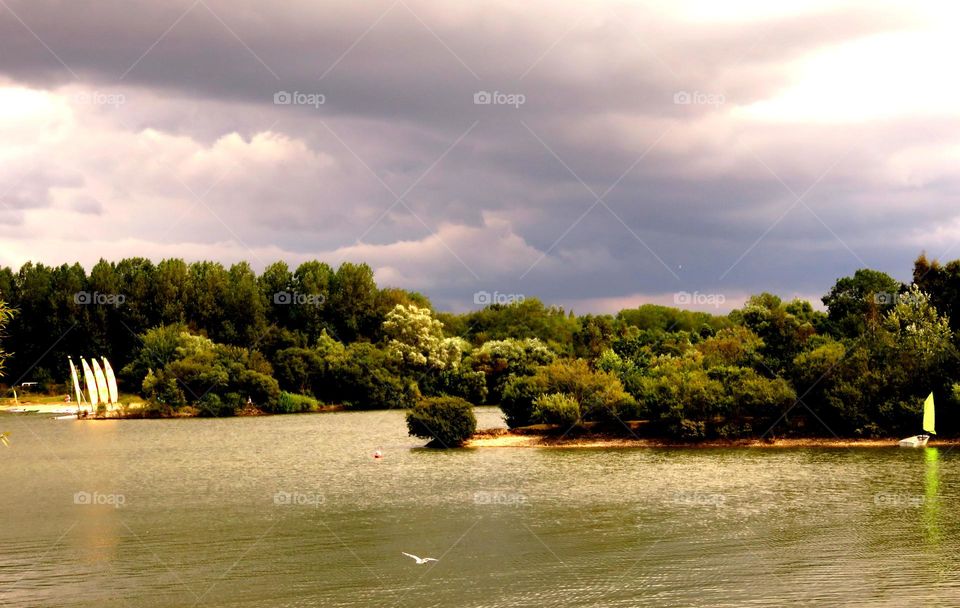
[931, 498]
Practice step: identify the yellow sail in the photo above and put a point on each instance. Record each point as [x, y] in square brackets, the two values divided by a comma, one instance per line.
[928, 416]
[104, 394]
[92, 397]
[112, 393]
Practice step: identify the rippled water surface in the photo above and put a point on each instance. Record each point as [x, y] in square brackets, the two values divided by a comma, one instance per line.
[293, 511]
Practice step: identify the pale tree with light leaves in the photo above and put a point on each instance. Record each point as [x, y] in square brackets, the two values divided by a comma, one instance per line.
[918, 329]
[416, 338]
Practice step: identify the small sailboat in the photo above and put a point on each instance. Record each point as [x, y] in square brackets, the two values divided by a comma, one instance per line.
[112, 393]
[103, 392]
[93, 397]
[929, 419]
[78, 394]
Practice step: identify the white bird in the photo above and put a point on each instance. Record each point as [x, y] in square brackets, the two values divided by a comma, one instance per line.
[420, 560]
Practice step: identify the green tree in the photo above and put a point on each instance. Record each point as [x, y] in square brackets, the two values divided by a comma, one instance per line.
[856, 302]
[782, 333]
[942, 284]
[500, 359]
[297, 369]
[312, 308]
[207, 290]
[595, 335]
[524, 319]
[600, 395]
[352, 305]
[171, 281]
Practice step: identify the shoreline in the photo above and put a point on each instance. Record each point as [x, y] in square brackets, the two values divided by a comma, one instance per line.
[504, 438]
[135, 411]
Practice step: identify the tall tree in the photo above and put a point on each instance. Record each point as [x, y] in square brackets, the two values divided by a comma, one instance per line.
[857, 302]
[942, 283]
[352, 302]
[310, 300]
[170, 291]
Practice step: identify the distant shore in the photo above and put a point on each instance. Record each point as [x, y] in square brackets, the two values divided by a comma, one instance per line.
[132, 411]
[504, 438]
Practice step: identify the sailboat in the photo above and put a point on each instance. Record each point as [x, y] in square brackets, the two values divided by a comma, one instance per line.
[113, 396]
[102, 391]
[93, 397]
[929, 418]
[76, 384]
[71, 412]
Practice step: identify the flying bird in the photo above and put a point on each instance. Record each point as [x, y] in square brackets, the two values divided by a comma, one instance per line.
[420, 560]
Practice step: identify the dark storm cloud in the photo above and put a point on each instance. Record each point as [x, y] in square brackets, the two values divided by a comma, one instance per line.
[698, 196]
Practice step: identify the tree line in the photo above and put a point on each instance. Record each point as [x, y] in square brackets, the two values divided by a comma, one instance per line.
[211, 339]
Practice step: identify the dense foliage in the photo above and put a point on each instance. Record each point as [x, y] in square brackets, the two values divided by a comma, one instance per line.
[445, 421]
[6, 314]
[217, 339]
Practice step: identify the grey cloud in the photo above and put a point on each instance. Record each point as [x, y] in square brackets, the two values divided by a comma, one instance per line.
[399, 99]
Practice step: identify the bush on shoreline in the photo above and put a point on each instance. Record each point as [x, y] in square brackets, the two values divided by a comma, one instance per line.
[446, 421]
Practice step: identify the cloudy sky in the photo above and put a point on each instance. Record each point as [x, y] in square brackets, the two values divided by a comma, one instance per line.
[593, 154]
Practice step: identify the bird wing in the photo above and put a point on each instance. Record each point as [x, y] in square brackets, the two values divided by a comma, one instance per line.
[429, 559]
[409, 555]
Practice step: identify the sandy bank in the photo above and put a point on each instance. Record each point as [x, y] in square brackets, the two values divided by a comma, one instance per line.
[502, 438]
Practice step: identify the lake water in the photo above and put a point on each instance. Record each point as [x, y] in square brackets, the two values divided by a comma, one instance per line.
[292, 511]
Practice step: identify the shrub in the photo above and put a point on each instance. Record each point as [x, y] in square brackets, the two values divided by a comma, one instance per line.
[210, 405]
[365, 379]
[263, 390]
[290, 403]
[600, 395]
[458, 382]
[556, 408]
[446, 421]
[692, 430]
[517, 403]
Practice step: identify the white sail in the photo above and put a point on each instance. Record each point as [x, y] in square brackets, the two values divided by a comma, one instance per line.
[104, 394]
[111, 382]
[92, 395]
[76, 384]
